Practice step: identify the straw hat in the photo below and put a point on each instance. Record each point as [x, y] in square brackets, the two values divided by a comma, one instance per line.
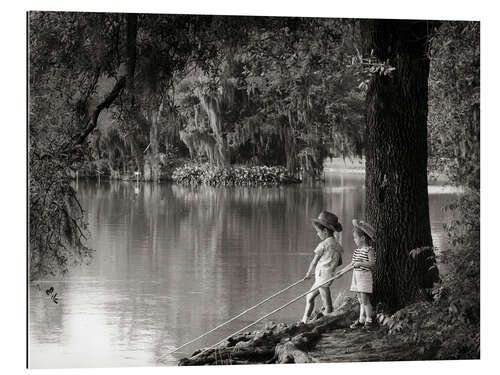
[365, 227]
[328, 220]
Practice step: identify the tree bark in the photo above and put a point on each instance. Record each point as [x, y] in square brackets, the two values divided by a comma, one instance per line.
[396, 155]
[131, 48]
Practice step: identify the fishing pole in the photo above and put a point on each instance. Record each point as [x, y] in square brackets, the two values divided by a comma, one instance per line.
[237, 316]
[334, 277]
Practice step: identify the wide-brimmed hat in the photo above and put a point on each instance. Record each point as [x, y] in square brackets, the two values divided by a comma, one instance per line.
[365, 227]
[328, 220]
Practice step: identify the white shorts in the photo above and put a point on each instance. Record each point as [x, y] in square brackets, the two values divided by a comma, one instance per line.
[321, 276]
[362, 281]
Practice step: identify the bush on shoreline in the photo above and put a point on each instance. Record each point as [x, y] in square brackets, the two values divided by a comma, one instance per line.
[448, 327]
[206, 174]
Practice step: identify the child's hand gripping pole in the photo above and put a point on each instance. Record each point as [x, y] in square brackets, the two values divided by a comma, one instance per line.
[346, 269]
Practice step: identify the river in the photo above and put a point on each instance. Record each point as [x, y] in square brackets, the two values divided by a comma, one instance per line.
[172, 262]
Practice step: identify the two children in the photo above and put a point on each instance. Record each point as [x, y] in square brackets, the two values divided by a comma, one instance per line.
[328, 255]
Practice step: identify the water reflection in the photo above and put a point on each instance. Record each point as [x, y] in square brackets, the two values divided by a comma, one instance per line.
[172, 262]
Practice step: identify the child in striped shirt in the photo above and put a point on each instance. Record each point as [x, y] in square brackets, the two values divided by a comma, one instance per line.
[363, 260]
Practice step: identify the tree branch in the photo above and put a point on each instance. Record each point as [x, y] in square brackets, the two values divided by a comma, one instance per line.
[128, 80]
[110, 98]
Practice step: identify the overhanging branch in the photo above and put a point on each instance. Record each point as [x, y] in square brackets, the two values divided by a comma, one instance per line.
[110, 98]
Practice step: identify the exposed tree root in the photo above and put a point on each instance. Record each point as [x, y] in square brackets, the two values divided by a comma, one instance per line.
[277, 343]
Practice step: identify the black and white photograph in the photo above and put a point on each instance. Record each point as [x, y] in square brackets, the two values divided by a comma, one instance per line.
[251, 189]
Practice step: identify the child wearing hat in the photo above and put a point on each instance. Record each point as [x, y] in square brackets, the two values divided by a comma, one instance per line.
[327, 256]
[363, 261]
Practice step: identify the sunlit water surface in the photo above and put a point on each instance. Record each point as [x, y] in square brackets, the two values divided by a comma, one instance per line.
[172, 262]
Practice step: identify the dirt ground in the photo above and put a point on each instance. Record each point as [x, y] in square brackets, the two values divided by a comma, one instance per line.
[360, 345]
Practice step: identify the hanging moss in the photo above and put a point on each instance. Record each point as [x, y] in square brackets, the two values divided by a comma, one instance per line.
[311, 160]
[201, 143]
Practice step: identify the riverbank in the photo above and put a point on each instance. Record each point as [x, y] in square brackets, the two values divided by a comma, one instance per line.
[328, 339]
[358, 166]
[324, 339]
[347, 165]
[186, 172]
[276, 343]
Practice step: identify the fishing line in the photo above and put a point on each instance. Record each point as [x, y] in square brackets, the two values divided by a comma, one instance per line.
[237, 316]
[334, 277]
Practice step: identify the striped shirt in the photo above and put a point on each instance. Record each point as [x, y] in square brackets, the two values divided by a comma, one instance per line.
[361, 255]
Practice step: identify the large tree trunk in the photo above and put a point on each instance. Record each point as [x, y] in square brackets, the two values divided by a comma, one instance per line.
[396, 155]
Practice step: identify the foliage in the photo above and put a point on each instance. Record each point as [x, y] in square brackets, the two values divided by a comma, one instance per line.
[299, 75]
[448, 326]
[283, 96]
[60, 90]
[207, 174]
[257, 90]
[453, 119]
[82, 64]
[57, 228]
[459, 295]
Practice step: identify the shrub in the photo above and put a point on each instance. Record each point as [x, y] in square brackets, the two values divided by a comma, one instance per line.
[206, 174]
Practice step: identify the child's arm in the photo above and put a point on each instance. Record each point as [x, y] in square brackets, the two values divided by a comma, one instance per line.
[371, 260]
[312, 266]
[335, 259]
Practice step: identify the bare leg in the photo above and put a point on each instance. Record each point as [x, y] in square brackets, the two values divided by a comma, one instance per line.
[367, 306]
[310, 297]
[362, 312]
[327, 299]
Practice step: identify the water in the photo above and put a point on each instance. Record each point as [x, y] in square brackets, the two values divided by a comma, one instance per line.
[173, 262]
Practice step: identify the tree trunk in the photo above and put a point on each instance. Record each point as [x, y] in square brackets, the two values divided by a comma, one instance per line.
[396, 155]
[137, 154]
[131, 48]
[154, 156]
[154, 143]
